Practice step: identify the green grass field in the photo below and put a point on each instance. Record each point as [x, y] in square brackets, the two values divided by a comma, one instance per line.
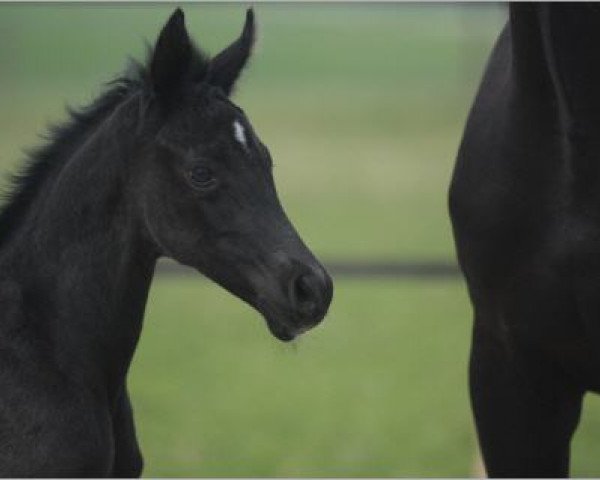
[378, 390]
[362, 107]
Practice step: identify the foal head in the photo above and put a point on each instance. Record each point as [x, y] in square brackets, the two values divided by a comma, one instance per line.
[206, 187]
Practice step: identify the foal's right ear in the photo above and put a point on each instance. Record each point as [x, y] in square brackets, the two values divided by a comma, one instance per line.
[171, 56]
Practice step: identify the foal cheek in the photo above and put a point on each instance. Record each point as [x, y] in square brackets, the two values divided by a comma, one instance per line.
[174, 229]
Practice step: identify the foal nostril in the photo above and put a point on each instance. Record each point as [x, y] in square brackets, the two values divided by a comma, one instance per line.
[305, 295]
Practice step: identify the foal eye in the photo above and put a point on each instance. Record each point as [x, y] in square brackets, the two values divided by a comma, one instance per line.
[202, 178]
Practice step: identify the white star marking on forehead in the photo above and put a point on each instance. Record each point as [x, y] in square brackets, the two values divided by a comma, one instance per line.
[239, 133]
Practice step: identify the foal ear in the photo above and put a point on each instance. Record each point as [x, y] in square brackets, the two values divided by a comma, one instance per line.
[171, 56]
[225, 67]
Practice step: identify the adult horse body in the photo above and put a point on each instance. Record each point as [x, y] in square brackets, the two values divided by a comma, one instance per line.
[525, 207]
[163, 164]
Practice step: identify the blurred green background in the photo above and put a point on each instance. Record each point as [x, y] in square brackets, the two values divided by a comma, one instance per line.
[362, 107]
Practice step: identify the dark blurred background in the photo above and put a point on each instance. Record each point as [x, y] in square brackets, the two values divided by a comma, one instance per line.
[362, 107]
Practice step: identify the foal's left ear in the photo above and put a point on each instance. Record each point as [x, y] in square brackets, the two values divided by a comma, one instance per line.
[225, 68]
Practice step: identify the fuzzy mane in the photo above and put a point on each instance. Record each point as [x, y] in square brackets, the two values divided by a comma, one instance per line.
[62, 140]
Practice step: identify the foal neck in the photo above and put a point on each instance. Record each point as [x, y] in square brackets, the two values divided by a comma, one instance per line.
[82, 256]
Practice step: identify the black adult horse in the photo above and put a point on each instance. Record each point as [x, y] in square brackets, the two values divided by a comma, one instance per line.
[525, 205]
[163, 164]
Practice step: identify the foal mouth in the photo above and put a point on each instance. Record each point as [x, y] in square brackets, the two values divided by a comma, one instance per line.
[281, 323]
[281, 332]
[283, 326]
[285, 332]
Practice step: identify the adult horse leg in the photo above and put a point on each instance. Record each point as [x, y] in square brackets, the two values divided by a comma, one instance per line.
[525, 410]
[128, 462]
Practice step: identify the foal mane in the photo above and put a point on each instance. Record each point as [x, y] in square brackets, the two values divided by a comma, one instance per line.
[62, 140]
